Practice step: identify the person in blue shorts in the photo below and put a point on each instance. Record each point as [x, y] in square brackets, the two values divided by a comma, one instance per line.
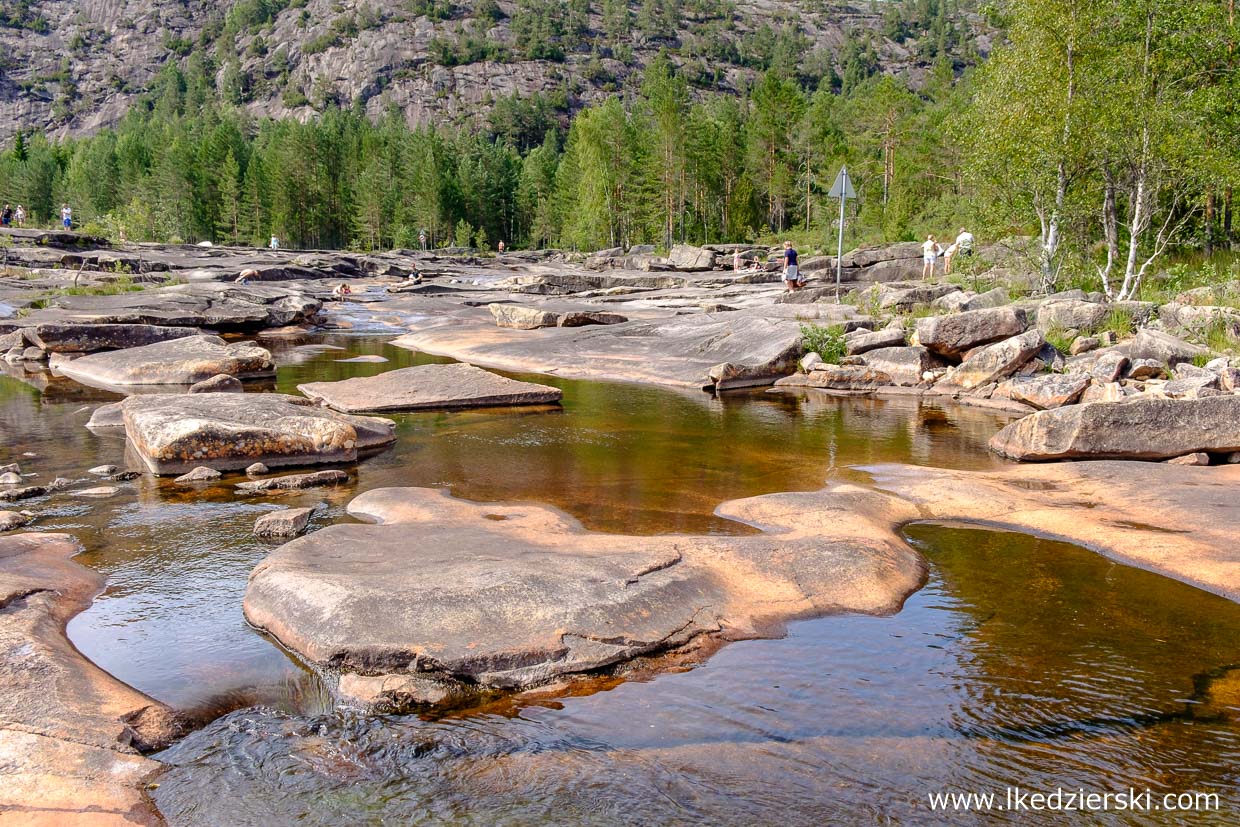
[66, 216]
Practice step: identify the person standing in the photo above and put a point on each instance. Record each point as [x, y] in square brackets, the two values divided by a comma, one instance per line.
[66, 216]
[929, 252]
[792, 269]
[422, 238]
[736, 260]
[275, 243]
[964, 242]
[20, 215]
[6, 216]
[500, 246]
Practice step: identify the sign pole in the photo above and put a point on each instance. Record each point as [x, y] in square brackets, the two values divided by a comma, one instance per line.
[839, 256]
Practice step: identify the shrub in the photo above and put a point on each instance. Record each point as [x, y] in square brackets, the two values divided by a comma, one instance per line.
[827, 342]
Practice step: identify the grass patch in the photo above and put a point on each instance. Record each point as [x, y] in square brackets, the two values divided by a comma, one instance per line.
[827, 342]
[1119, 321]
[1060, 339]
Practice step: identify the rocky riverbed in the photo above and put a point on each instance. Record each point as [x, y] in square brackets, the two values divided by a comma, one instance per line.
[518, 596]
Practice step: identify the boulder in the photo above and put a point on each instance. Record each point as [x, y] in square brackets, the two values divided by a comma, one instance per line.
[10, 478]
[99, 492]
[1154, 344]
[885, 338]
[488, 597]
[905, 365]
[220, 383]
[844, 378]
[293, 482]
[581, 318]
[1109, 366]
[429, 387]
[1048, 391]
[256, 470]
[810, 361]
[1142, 369]
[103, 470]
[519, 317]
[10, 520]
[903, 297]
[1103, 392]
[997, 297]
[1071, 314]
[1143, 427]
[992, 362]
[287, 522]
[956, 333]
[1191, 459]
[227, 431]
[1083, 344]
[182, 361]
[200, 474]
[26, 492]
[70, 337]
[687, 258]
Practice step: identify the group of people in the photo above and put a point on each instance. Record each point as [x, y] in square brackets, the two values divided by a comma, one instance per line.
[791, 272]
[931, 250]
[10, 217]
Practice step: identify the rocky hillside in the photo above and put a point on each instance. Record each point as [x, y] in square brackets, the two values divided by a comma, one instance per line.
[72, 66]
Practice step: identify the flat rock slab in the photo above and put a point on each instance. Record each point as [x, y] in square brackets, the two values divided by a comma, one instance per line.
[177, 362]
[287, 522]
[429, 387]
[55, 337]
[448, 593]
[293, 482]
[70, 733]
[230, 431]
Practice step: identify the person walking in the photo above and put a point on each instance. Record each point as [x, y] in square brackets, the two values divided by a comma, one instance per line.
[20, 215]
[66, 216]
[6, 216]
[929, 252]
[792, 270]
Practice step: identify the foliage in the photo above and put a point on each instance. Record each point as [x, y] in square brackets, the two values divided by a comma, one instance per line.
[827, 342]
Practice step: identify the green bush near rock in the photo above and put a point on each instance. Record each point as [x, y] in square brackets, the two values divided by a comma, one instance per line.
[827, 342]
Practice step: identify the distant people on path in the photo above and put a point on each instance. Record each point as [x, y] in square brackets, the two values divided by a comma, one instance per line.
[930, 251]
[275, 243]
[66, 216]
[342, 290]
[422, 238]
[6, 216]
[246, 275]
[20, 216]
[792, 270]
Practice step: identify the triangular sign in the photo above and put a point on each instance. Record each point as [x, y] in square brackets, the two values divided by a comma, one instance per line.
[842, 188]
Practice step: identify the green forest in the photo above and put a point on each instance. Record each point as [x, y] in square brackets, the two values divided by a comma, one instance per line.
[1105, 130]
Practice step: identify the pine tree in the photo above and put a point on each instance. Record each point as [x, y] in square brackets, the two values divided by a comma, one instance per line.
[228, 218]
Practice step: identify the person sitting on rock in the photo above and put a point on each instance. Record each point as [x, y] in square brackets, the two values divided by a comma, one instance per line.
[342, 290]
[246, 275]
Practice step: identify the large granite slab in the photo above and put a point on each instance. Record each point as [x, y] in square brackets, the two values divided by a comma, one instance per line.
[183, 361]
[173, 434]
[429, 387]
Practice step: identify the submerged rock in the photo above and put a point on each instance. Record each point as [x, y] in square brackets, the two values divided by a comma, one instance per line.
[1137, 428]
[177, 362]
[221, 383]
[228, 431]
[10, 520]
[482, 596]
[293, 482]
[428, 387]
[200, 474]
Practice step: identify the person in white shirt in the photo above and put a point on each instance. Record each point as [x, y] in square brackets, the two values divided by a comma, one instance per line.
[929, 252]
[20, 216]
[275, 243]
[66, 217]
[964, 242]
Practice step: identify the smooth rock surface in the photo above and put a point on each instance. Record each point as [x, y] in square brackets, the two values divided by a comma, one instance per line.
[200, 474]
[293, 482]
[221, 383]
[1155, 344]
[1048, 390]
[70, 734]
[519, 317]
[429, 387]
[182, 361]
[905, 365]
[496, 596]
[1138, 428]
[68, 337]
[227, 431]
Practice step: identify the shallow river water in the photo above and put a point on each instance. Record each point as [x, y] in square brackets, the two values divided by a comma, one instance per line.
[1022, 662]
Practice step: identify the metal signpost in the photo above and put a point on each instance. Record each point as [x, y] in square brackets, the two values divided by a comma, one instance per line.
[843, 190]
